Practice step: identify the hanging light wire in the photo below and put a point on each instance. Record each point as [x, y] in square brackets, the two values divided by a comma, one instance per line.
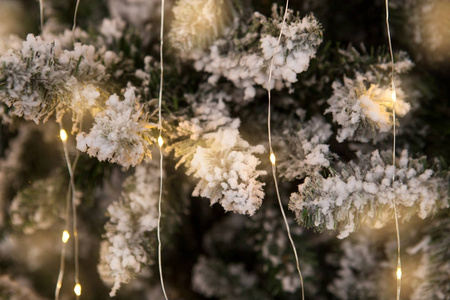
[272, 154]
[41, 15]
[160, 144]
[66, 235]
[70, 198]
[77, 287]
[394, 96]
[75, 16]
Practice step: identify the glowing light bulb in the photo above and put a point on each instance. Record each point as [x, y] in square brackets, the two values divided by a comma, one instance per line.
[272, 158]
[160, 141]
[77, 289]
[65, 236]
[394, 96]
[63, 135]
[399, 273]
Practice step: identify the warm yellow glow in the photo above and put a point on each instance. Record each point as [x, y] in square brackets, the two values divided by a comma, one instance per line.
[77, 289]
[432, 29]
[63, 135]
[399, 273]
[197, 24]
[160, 141]
[394, 96]
[65, 236]
[12, 13]
[272, 158]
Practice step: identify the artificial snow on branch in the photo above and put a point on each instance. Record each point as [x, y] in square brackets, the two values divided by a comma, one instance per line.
[214, 278]
[363, 112]
[37, 207]
[361, 269]
[120, 133]
[307, 152]
[126, 250]
[198, 23]
[362, 192]
[332, 109]
[243, 58]
[41, 77]
[430, 278]
[216, 154]
[227, 171]
[16, 289]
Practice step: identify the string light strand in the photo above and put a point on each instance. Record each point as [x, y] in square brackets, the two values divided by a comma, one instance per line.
[272, 154]
[71, 194]
[161, 61]
[75, 16]
[61, 271]
[77, 287]
[65, 235]
[160, 144]
[390, 49]
[394, 96]
[41, 15]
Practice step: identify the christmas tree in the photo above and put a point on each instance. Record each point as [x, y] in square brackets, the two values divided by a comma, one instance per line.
[224, 149]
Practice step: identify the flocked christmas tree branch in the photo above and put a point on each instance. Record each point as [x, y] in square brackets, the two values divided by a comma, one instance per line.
[333, 113]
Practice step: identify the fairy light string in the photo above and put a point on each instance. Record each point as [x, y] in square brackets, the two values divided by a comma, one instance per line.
[77, 288]
[394, 97]
[160, 144]
[272, 156]
[65, 235]
[75, 16]
[41, 15]
[70, 199]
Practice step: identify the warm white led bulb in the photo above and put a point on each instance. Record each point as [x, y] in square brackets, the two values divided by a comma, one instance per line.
[63, 135]
[272, 158]
[394, 96]
[77, 289]
[160, 141]
[65, 236]
[399, 273]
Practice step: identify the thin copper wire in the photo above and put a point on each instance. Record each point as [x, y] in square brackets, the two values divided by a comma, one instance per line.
[161, 57]
[399, 262]
[41, 14]
[271, 152]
